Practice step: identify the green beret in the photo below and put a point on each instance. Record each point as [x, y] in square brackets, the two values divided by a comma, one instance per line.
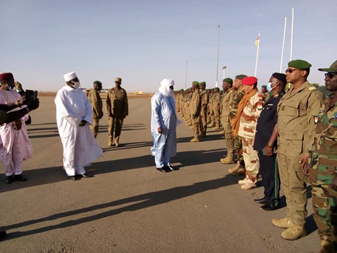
[203, 84]
[240, 77]
[228, 80]
[98, 82]
[299, 64]
[195, 82]
[264, 86]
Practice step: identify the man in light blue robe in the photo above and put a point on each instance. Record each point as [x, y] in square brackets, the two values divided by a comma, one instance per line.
[163, 126]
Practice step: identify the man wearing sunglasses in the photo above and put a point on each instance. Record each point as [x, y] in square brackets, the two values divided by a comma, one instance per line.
[322, 168]
[296, 131]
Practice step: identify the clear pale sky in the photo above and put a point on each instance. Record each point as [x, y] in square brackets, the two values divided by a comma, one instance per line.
[144, 41]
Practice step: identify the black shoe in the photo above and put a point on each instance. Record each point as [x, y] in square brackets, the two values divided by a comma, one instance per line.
[19, 178]
[172, 168]
[260, 201]
[164, 169]
[270, 206]
[9, 179]
[87, 175]
[2, 234]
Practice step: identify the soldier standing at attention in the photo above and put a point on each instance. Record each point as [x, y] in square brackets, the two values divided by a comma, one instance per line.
[203, 110]
[195, 107]
[265, 143]
[117, 109]
[97, 106]
[225, 120]
[296, 130]
[216, 108]
[265, 93]
[322, 168]
[238, 94]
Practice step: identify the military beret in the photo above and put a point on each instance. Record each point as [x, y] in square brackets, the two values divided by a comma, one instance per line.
[3, 117]
[228, 80]
[118, 80]
[6, 76]
[249, 80]
[240, 77]
[281, 77]
[332, 69]
[264, 86]
[98, 82]
[195, 83]
[203, 84]
[299, 64]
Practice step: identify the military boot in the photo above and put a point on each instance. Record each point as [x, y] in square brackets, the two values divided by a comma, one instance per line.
[327, 247]
[241, 171]
[282, 223]
[216, 127]
[237, 167]
[293, 233]
[248, 185]
[117, 141]
[195, 139]
[227, 160]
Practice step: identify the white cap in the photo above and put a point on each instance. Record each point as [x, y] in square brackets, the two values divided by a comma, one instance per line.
[70, 76]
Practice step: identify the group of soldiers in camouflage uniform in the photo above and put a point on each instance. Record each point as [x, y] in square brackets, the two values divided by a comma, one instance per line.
[302, 140]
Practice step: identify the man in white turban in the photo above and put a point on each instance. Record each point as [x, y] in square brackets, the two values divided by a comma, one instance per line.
[163, 126]
[73, 115]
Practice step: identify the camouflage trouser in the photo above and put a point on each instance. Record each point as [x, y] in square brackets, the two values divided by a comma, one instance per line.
[324, 199]
[114, 128]
[228, 136]
[203, 119]
[293, 184]
[251, 159]
[216, 116]
[237, 143]
[196, 126]
[94, 126]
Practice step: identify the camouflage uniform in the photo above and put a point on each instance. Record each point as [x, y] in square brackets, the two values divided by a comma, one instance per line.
[265, 96]
[216, 109]
[203, 111]
[117, 109]
[233, 110]
[247, 129]
[296, 135]
[195, 107]
[324, 169]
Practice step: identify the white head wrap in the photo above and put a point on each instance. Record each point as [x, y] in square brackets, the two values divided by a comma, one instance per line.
[165, 87]
[69, 76]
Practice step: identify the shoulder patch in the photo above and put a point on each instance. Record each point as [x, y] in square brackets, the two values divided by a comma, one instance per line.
[312, 88]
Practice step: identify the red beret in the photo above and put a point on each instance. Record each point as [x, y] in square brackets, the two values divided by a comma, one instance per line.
[249, 80]
[6, 76]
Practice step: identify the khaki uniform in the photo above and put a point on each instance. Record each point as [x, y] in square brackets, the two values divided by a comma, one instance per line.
[195, 107]
[97, 110]
[226, 123]
[296, 135]
[216, 109]
[117, 109]
[247, 129]
[203, 111]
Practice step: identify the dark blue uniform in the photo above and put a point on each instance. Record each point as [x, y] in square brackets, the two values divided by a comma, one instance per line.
[268, 166]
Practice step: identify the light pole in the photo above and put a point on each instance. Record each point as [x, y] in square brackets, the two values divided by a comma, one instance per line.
[224, 72]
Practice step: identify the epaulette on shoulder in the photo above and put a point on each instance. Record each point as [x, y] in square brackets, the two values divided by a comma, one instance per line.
[312, 88]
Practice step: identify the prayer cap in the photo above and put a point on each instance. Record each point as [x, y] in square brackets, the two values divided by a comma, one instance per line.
[203, 84]
[70, 76]
[195, 82]
[228, 80]
[6, 76]
[240, 77]
[281, 77]
[299, 64]
[118, 80]
[249, 80]
[332, 69]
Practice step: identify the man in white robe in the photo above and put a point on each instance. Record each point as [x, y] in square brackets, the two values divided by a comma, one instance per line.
[16, 146]
[163, 126]
[73, 116]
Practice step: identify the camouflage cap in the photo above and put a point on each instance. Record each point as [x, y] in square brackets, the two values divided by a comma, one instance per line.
[118, 80]
[332, 69]
[299, 64]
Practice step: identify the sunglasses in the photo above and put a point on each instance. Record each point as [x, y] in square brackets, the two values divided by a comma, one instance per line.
[290, 70]
[331, 75]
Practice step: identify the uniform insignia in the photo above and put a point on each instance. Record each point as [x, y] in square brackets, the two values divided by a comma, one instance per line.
[276, 95]
[259, 106]
[312, 88]
[316, 119]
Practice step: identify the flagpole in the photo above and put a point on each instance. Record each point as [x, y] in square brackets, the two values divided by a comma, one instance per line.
[292, 33]
[223, 72]
[257, 55]
[217, 62]
[186, 74]
[284, 37]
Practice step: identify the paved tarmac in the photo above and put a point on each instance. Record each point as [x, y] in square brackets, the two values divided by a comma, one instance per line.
[131, 207]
